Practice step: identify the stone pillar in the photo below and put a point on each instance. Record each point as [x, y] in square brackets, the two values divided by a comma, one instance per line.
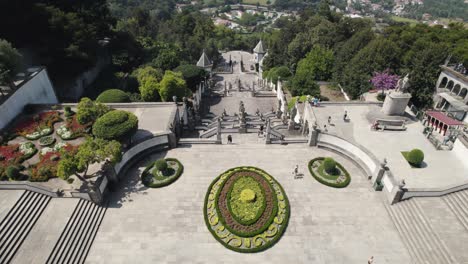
[395, 103]
[313, 136]
[380, 172]
[218, 132]
[185, 114]
[268, 131]
[278, 110]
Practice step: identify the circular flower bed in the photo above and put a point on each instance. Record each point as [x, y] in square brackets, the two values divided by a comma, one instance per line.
[46, 141]
[154, 178]
[246, 210]
[334, 175]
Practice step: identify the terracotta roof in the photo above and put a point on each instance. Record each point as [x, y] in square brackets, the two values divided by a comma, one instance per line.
[443, 118]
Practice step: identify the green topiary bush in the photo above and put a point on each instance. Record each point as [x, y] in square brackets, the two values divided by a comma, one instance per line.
[150, 179]
[415, 157]
[113, 96]
[329, 165]
[115, 124]
[12, 172]
[161, 165]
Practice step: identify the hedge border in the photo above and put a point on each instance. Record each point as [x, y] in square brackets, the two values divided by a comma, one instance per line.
[319, 179]
[250, 250]
[179, 172]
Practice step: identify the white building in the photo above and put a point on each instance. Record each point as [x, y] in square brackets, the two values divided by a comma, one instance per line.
[452, 92]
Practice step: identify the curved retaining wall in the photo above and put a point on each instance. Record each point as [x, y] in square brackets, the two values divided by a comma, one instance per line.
[159, 141]
[365, 160]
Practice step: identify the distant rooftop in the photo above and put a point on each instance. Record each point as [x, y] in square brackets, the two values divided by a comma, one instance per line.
[259, 48]
[204, 61]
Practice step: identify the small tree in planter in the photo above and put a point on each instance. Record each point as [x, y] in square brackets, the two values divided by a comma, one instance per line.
[161, 165]
[329, 165]
[384, 81]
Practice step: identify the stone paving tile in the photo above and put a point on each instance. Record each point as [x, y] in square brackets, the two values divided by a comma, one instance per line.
[166, 225]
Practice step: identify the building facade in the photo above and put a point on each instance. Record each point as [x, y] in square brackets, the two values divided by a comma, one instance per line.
[452, 92]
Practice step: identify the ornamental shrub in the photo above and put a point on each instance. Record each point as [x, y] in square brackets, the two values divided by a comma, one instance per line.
[329, 165]
[12, 172]
[115, 124]
[415, 157]
[161, 165]
[113, 96]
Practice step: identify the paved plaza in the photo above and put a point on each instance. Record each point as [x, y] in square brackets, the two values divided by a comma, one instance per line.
[388, 144]
[166, 225]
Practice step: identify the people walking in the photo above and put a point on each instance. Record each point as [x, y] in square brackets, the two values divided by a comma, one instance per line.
[329, 120]
[371, 260]
[229, 138]
[345, 116]
[296, 170]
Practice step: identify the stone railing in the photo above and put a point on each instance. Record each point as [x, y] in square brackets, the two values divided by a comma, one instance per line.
[34, 187]
[365, 160]
[434, 192]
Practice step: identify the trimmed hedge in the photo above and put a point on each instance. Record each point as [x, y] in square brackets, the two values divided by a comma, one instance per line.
[147, 173]
[329, 165]
[113, 96]
[415, 157]
[246, 250]
[259, 213]
[116, 124]
[320, 179]
[161, 165]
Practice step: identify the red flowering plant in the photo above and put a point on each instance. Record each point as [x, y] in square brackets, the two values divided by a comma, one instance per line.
[38, 125]
[14, 155]
[46, 168]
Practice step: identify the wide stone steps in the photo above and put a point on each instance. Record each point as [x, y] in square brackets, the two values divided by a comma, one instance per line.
[79, 233]
[423, 244]
[19, 221]
[458, 203]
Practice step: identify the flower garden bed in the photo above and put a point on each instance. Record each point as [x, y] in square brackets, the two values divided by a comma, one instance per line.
[153, 178]
[46, 168]
[46, 141]
[246, 210]
[38, 125]
[14, 155]
[72, 129]
[340, 179]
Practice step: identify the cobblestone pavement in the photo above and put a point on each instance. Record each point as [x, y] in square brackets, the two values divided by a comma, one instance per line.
[166, 225]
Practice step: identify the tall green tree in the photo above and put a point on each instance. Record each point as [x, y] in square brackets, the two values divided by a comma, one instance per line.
[378, 55]
[10, 62]
[173, 84]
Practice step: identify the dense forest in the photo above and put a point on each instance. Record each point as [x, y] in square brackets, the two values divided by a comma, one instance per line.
[440, 9]
[153, 46]
[308, 45]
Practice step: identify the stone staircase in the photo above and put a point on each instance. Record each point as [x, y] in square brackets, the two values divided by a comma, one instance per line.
[458, 203]
[423, 244]
[19, 221]
[76, 239]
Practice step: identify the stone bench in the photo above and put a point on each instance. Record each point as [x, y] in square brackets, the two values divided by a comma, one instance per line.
[395, 125]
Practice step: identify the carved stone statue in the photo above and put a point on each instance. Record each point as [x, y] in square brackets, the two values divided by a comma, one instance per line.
[402, 85]
[241, 107]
